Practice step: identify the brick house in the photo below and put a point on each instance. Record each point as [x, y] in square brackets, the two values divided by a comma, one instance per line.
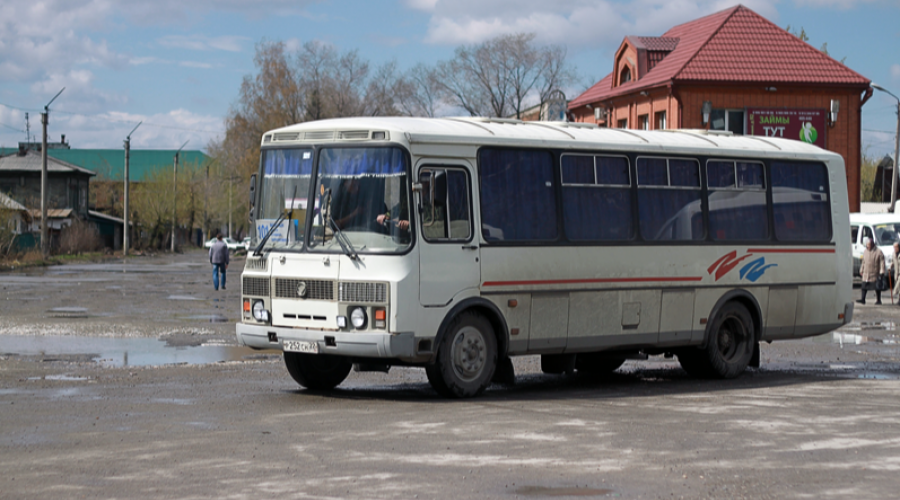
[733, 70]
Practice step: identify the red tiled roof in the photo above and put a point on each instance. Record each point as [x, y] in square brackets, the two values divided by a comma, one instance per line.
[734, 45]
[658, 42]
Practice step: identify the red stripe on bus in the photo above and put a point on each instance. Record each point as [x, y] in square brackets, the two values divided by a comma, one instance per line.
[791, 250]
[598, 280]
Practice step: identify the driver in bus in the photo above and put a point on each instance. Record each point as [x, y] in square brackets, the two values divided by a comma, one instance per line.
[348, 207]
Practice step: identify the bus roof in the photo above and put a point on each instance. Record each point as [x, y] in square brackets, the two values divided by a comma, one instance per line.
[563, 135]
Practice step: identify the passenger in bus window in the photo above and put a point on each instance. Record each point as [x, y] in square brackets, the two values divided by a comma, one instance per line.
[872, 266]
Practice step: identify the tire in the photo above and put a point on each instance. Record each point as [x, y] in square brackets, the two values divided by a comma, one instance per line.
[318, 372]
[466, 357]
[597, 364]
[729, 347]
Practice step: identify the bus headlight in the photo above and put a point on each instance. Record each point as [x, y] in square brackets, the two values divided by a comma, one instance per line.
[358, 318]
[259, 311]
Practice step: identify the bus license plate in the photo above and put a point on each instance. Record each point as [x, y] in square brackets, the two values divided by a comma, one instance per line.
[297, 346]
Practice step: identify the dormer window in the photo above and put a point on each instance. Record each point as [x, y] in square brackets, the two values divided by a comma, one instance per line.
[625, 75]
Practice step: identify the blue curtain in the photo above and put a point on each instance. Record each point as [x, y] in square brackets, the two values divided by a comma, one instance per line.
[800, 201]
[362, 162]
[517, 198]
[287, 162]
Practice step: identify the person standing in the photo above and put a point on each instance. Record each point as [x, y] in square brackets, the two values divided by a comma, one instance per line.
[870, 269]
[895, 271]
[219, 258]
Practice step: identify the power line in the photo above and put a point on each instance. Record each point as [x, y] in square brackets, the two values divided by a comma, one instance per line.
[892, 132]
[97, 116]
[12, 128]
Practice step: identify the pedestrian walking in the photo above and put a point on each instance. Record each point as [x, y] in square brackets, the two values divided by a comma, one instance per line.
[895, 272]
[871, 268]
[219, 258]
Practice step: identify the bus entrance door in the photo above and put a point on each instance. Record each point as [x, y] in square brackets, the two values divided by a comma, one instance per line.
[448, 254]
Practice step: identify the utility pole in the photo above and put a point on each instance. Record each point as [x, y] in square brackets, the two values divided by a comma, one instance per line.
[206, 235]
[127, 185]
[896, 175]
[175, 193]
[45, 230]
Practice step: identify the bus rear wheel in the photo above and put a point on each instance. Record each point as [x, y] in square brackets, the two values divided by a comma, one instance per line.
[466, 357]
[318, 372]
[729, 347]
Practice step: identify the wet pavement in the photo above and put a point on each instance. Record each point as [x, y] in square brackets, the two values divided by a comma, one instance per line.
[123, 381]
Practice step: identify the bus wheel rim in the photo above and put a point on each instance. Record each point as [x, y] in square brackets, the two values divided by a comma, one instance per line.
[468, 353]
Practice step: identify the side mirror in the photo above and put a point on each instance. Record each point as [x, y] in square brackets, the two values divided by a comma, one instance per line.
[439, 187]
[252, 190]
[252, 198]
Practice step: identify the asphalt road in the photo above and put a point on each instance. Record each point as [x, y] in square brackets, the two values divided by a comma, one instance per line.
[819, 419]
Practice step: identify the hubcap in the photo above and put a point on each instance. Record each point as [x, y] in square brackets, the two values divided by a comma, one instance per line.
[469, 352]
[732, 336]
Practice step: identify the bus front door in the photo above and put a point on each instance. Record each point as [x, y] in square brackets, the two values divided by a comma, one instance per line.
[448, 252]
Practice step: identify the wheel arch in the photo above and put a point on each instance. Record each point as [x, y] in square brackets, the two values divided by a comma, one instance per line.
[487, 309]
[744, 298]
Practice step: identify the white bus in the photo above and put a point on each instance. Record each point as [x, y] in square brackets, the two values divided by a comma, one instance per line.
[454, 244]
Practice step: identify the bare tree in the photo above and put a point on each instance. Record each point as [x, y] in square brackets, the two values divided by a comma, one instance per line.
[417, 92]
[501, 76]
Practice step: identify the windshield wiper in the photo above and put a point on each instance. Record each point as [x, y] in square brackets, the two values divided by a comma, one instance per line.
[339, 235]
[342, 240]
[258, 250]
[287, 213]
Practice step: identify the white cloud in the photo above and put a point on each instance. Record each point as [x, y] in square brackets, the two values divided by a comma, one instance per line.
[426, 5]
[200, 42]
[576, 23]
[158, 131]
[195, 64]
[895, 72]
[840, 4]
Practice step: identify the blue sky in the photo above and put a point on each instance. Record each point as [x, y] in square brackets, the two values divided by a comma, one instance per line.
[178, 64]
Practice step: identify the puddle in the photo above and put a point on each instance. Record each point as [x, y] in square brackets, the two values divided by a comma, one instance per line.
[68, 312]
[65, 378]
[542, 491]
[209, 318]
[889, 326]
[182, 297]
[879, 376]
[119, 352]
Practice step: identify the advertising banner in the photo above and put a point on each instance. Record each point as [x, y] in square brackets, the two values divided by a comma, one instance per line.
[807, 125]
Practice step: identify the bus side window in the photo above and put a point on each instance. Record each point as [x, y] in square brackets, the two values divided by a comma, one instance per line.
[445, 204]
[854, 234]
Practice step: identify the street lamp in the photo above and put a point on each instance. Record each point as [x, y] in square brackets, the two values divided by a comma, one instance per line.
[896, 148]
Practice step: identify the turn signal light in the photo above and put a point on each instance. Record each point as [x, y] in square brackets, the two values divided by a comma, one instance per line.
[246, 305]
[380, 317]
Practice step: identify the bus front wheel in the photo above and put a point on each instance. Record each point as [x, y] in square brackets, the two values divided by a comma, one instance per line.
[466, 357]
[319, 372]
[729, 347]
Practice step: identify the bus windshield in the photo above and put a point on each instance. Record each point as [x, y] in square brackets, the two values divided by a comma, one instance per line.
[284, 189]
[363, 192]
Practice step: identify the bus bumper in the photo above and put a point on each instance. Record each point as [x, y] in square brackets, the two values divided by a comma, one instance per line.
[363, 345]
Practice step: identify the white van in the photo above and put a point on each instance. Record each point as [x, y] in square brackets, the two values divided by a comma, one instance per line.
[882, 228]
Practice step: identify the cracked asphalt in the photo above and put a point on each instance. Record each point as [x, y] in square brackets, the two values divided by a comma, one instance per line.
[818, 419]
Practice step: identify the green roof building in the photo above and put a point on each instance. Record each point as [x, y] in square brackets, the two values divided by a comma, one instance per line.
[109, 164]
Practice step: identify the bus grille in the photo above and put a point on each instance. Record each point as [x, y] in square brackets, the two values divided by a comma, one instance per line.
[315, 289]
[258, 287]
[362, 292]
